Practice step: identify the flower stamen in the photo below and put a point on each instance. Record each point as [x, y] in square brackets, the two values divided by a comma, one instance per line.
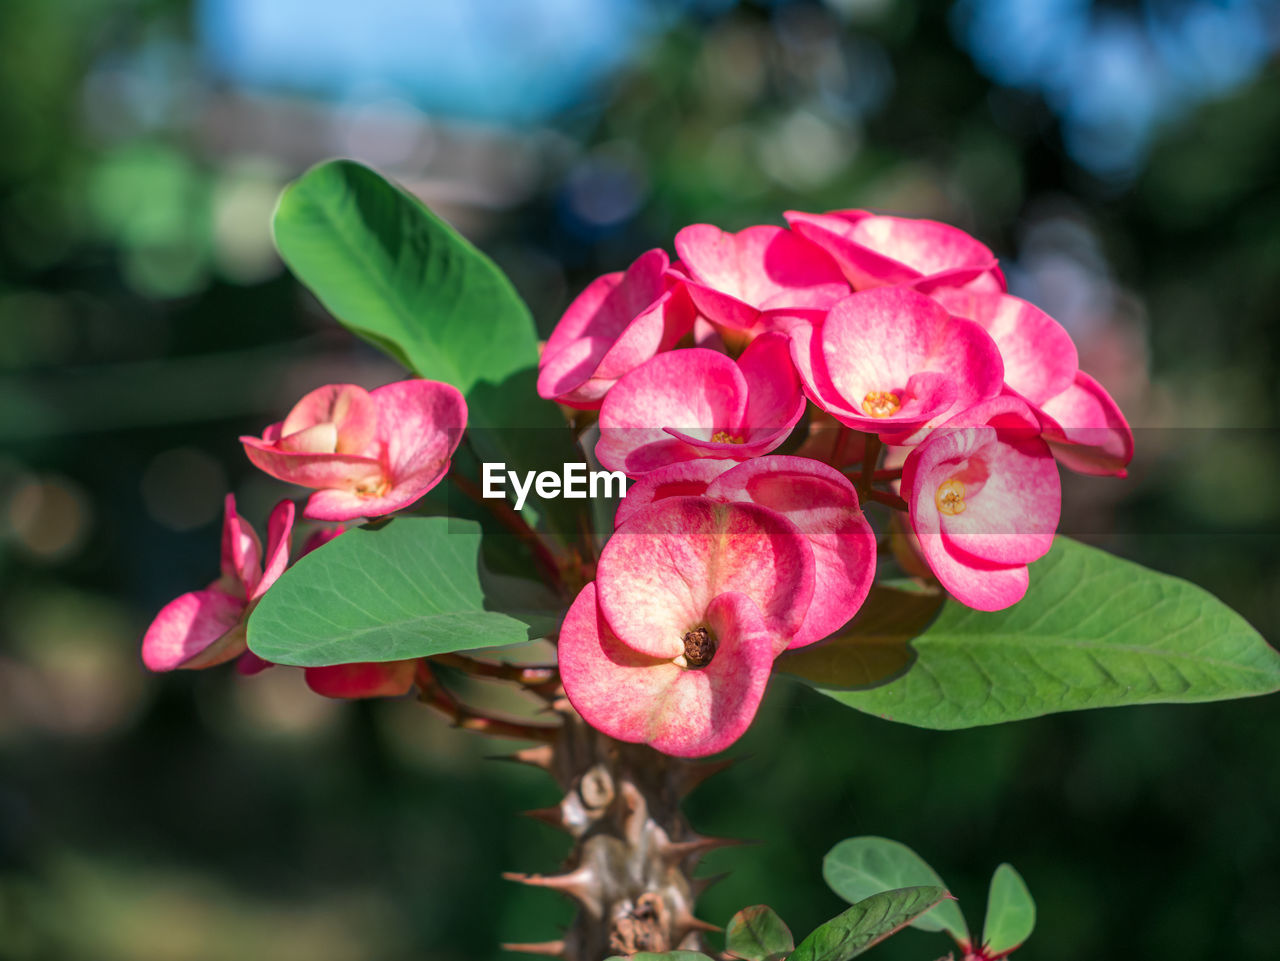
[881, 403]
[950, 497]
[699, 647]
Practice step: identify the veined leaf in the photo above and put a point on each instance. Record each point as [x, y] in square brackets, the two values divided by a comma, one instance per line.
[411, 587]
[1011, 912]
[758, 934]
[867, 923]
[1093, 631]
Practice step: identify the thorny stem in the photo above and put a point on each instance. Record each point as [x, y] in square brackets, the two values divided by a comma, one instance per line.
[514, 522]
[540, 679]
[432, 693]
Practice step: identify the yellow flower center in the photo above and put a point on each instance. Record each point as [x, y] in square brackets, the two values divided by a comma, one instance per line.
[950, 497]
[881, 403]
[724, 437]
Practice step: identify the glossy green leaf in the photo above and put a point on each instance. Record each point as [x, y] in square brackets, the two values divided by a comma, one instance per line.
[411, 587]
[857, 868]
[867, 923]
[396, 274]
[1093, 631]
[1011, 912]
[758, 934]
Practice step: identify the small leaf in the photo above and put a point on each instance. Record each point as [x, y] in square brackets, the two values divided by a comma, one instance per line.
[758, 934]
[867, 923]
[1011, 912]
[860, 867]
[407, 588]
[1092, 631]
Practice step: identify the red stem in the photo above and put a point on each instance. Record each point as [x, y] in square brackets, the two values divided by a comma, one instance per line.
[514, 522]
[432, 693]
[888, 499]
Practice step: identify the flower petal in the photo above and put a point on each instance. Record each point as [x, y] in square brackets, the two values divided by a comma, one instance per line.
[823, 505]
[346, 407]
[312, 470]
[1040, 359]
[875, 251]
[241, 552]
[380, 679]
[198, 629]
[279, 539]
[1089, 433]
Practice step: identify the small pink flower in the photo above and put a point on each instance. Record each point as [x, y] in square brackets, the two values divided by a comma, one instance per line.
[733, 278]
[204, 628]
[673, 644]
[876, 251]
[617, 323]
[366, 453]
[984, 499]
[891, 360]
[819, 500]
[693, 403]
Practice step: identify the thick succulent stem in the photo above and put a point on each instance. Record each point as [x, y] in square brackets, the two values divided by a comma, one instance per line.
[633, 852]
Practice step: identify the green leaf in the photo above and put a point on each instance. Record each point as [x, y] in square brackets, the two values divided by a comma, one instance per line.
[397, 275]
[411, 587]
[1011, 912]
[867, 923]
[758, 934]
[400, 277]
[860, 867]
[1093, 631]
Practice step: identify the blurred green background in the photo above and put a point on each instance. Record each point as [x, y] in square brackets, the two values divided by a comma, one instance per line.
[1122, 158]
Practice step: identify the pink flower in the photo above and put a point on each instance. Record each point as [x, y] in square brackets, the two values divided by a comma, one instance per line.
[984, 499]
[673, 644]
[891, 360]
[617, 323]
[204, 628]
[875, 251]
[819, 500]
[733, 278]
[693, 403]
[365, 453]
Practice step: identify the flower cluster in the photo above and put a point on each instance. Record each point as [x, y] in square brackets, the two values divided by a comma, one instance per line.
[365, 454]
[898, 332]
